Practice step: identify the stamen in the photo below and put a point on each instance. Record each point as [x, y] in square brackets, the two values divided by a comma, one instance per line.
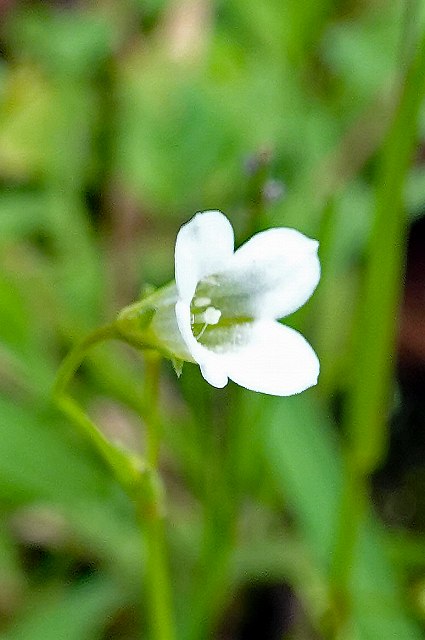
[212, 315]
[201, 333]
[209, 316]
[201, 301]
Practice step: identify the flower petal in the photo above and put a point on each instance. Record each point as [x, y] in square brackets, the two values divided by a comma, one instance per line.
[266, 356]
[214, 374]
[270, 276]
[204, 246]
[210, 363]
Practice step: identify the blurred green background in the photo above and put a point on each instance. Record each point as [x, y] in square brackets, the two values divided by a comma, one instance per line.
[287, 518]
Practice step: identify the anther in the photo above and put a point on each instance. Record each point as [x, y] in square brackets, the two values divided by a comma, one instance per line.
[212, 315]
[201, 302]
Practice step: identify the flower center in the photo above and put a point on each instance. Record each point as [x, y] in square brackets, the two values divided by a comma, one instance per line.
[203, 314]
[211, 315]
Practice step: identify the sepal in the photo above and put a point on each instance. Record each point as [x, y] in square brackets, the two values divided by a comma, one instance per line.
[151, 323]
[177, 366]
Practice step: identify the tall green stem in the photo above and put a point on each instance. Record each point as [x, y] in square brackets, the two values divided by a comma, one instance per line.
[373, 358]
[152, 519]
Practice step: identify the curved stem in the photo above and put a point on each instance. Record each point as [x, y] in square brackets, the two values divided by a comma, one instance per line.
[141, 481]
[75, 357]
[127, 468]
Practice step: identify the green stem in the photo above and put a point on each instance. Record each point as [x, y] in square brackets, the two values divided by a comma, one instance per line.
[152, 372]
[157, 583]
[127, 468]
[140, 480]
[76, 356]
[373, 358]
[153, 518]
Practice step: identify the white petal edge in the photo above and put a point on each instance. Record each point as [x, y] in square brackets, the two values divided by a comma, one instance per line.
[204, 245]
[276, 360]
[272, 275]
[210, 363]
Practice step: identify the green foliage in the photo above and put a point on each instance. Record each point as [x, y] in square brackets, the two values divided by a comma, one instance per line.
[117, 122]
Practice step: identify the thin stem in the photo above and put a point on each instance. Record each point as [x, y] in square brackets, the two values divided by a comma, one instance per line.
[127, 468]
[152, 519]
[141, 481]
[75, 357]
[152, 372]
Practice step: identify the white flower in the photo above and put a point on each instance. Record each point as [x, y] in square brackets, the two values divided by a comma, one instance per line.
[227, 304]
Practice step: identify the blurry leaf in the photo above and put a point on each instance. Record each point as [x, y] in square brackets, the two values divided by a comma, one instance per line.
[9, 562]
[415, 192]
[305, 25]
[364, 51]
[71, 42]
[37, 462]
[14, 317]
[12, 580]
[174, 140]
[79, 613]
[282, 559]
[108, 531]
[21, 214]
[305, 462]
[24, 113]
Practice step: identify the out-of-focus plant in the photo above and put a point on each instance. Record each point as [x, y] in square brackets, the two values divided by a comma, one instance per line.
[116, 120]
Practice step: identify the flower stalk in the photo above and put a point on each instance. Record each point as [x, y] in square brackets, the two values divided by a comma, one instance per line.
[139, 478]
[153, 520]
[221, 312]
[126, 467]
